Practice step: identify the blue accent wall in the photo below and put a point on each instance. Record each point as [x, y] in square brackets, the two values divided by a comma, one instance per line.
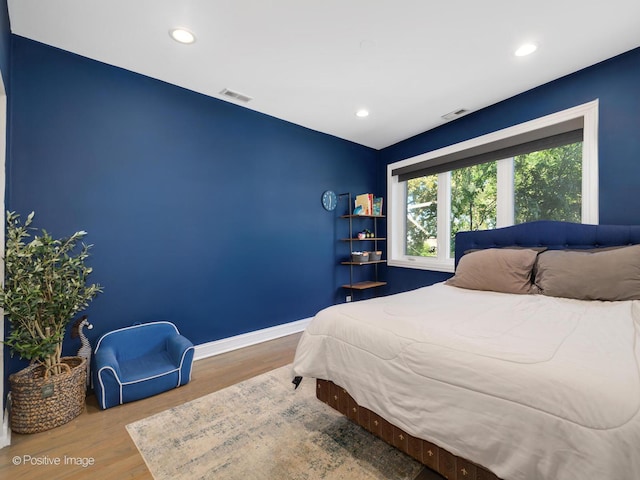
[202, 212]
[615, 82]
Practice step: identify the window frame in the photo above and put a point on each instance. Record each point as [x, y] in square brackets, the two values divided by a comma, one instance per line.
[397, 190]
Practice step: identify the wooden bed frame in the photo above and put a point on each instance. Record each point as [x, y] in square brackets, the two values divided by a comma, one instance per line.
[550, 234]
[437, 459]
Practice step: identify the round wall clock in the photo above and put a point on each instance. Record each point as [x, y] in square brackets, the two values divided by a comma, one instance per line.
[329, 200]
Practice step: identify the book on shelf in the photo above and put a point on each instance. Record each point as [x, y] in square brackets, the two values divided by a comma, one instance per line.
[365, 201]
[377, 206]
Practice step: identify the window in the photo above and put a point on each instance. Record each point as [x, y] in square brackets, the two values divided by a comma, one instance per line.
[545, 169]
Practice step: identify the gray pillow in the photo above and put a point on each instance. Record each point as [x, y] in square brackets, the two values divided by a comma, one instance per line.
[496, 269]
[601, 274]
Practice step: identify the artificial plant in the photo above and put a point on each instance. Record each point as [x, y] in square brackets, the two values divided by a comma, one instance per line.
[45, 286]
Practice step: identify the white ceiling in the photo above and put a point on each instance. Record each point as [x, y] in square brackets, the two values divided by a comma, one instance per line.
[315, 63]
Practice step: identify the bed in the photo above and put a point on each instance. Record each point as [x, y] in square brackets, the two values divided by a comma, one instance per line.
[522, 366]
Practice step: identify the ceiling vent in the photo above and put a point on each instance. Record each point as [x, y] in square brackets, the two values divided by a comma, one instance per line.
[455, 114]
[235, 95]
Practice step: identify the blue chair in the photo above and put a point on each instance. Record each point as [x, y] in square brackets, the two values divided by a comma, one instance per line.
[140, 361]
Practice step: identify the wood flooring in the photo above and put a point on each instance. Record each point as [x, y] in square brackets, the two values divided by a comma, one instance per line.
[100, 437]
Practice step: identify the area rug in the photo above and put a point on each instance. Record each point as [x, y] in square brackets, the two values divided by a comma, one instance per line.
[264, 429]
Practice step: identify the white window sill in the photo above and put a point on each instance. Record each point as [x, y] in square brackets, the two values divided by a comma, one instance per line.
[424, 264]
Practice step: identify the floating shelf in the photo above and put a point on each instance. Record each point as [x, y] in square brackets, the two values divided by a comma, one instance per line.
[364, 285]
[363, 239]
[363, 263]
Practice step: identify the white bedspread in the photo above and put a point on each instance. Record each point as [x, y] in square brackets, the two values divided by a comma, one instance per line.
[531, 387]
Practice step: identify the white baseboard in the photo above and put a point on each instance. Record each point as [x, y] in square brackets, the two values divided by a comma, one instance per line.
[217, 347]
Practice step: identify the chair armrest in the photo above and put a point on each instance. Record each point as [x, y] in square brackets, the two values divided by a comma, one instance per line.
[176, 346]
[106, 357]
[106, 378]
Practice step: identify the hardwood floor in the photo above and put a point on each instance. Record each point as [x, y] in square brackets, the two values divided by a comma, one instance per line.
[100, 436]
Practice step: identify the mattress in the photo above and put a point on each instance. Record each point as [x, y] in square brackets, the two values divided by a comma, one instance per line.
[529, 386]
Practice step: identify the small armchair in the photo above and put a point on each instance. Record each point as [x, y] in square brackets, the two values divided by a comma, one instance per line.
[136, 362]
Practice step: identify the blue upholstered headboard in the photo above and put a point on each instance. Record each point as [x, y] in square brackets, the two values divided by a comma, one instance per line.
[553, 235]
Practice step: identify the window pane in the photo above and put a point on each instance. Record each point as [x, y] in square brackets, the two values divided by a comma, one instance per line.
[548, 184]
[473, 199]
[422, 216]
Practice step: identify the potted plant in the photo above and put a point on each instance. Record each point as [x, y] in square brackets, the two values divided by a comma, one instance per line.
[45, 286]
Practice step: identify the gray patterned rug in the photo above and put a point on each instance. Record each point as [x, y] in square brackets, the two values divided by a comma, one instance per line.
[264, 429]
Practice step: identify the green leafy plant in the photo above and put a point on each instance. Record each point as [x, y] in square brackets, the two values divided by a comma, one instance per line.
[45, 286]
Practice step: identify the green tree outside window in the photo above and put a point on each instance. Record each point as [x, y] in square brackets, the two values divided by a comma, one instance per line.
[547, 186]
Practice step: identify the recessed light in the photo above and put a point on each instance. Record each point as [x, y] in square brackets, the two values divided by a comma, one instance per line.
[182, 35]
[526, 49]
[362, 113]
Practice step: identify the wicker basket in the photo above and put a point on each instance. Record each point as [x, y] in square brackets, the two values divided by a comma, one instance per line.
[41, 401]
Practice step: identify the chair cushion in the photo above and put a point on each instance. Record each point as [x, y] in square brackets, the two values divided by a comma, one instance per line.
[146, 366]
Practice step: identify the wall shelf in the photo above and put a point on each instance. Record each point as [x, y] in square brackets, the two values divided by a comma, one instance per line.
[364, 285]
[380, 239]
[363, 263]
[352, 239]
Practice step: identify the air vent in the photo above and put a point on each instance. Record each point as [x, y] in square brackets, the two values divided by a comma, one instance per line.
[235, 95]
[455, 114]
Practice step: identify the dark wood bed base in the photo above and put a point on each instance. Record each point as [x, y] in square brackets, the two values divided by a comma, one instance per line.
[438, 459]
